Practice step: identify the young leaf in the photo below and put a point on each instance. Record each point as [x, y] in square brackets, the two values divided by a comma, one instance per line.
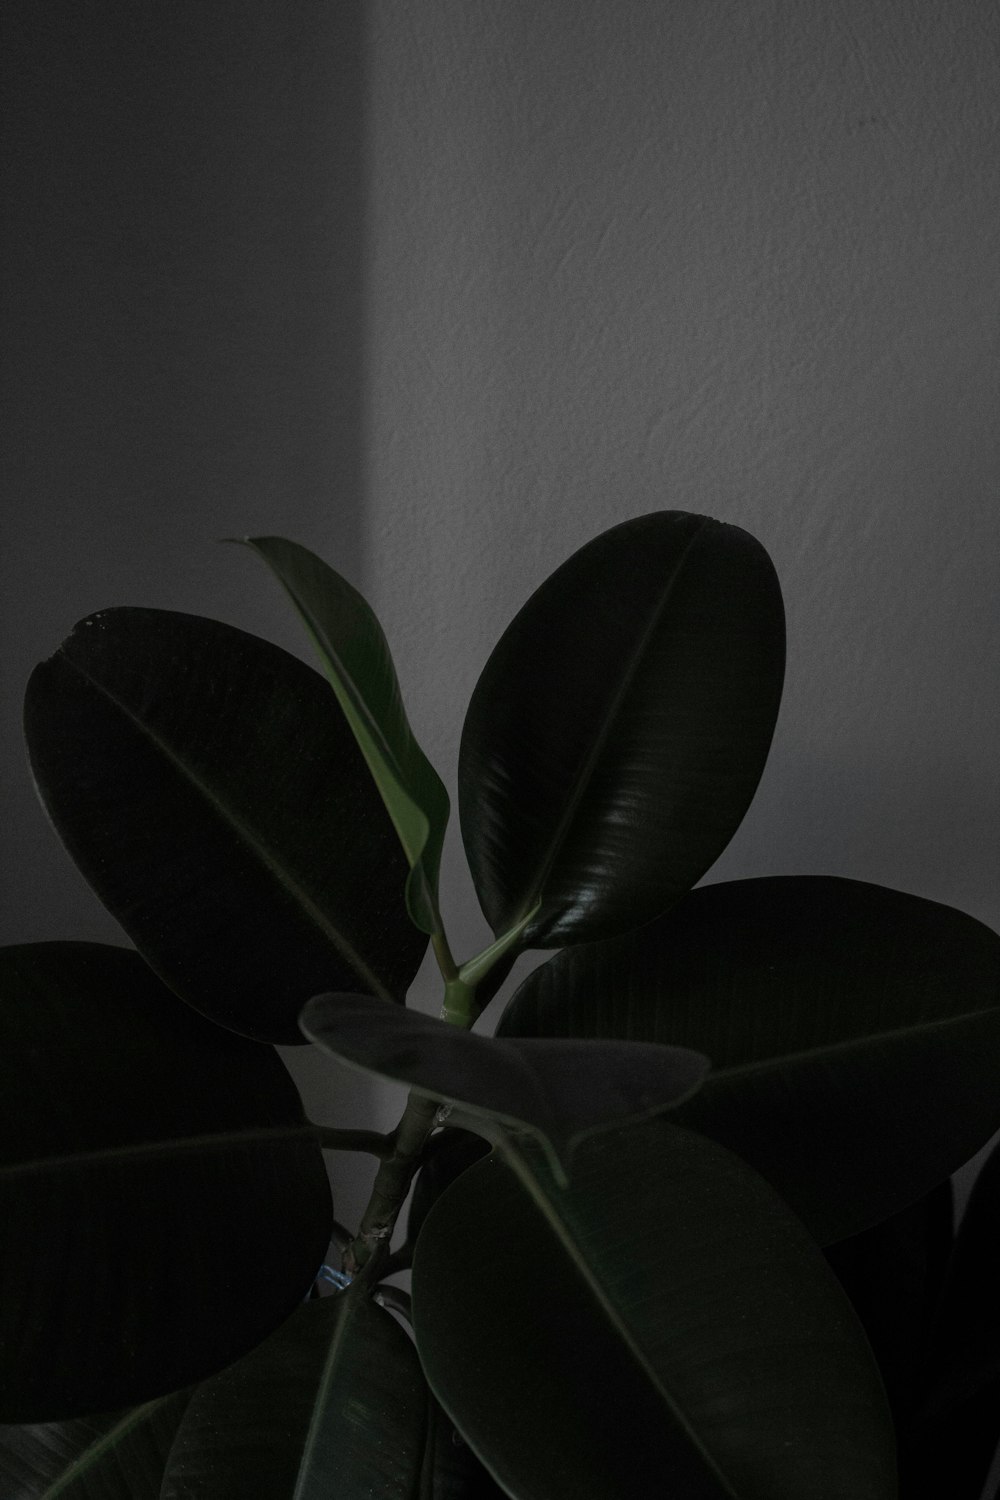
[163, 1202]
[559, 1092]
[120, 1456]
[620, 727]
[217, 803]
[332, 1404]
[356, 659]
[854, 1032]
[666, 1322]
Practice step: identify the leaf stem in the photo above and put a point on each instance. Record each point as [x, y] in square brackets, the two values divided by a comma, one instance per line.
[392, 1182]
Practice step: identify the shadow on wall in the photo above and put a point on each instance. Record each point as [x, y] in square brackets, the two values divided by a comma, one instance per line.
[183, 348]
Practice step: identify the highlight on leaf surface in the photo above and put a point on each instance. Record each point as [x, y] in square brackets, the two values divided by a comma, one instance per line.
[666, 1319]
[559, 1092]
[356, 658]
[223, 814]
[619, 729]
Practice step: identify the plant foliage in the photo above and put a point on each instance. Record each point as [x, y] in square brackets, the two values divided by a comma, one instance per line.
[680, 1225]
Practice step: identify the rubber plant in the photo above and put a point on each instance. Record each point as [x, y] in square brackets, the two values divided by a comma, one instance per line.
[679, 1227]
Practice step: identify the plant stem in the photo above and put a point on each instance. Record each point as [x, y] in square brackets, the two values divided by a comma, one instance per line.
[392, 1182]
[459, 1008]
[444, 956]
[332, 1138]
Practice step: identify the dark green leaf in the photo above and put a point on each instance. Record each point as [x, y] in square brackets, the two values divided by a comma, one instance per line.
[665, 1325]
[214, 797]
[356, 658]
[854, 1032]
[447, 1155]
[163, 1202]
[452, 1471]
[332, 1405]
[120, 1456]
[965, 1353]
[618, 731]
[559, 1092]
[893, 1274]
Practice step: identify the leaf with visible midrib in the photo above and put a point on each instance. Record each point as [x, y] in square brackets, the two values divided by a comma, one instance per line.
[120, 1456]
[664, 1319]
[854, 1032]
[216, 801]
[142, 1151]
[620, 727]
[332, 1404]
[357, 660]
[559, 1092]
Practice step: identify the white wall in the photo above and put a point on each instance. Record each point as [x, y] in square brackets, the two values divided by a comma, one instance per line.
[730, 257]
[736, 256]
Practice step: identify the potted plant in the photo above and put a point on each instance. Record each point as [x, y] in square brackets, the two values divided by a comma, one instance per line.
[682, 1226]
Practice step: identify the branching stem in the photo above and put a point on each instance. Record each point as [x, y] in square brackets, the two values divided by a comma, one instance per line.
[392, 1183]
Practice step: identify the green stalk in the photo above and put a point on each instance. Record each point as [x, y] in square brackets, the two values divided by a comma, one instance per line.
[392, 1182]
[402, 1151]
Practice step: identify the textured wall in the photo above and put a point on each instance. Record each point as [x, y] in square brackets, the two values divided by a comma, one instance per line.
[549, 265]
[182, 353]
[728, 256]
[181, 337]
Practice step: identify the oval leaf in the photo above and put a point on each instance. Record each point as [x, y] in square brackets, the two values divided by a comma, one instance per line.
[217, 803]
[620, 728]
[356, 658]
[559, 1092]
[118, 1457]
[332, 1404]
[163, 1202]
[854, 1032]
[666, 1316]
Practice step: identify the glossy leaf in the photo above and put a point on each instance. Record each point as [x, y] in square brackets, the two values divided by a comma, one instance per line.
[163, 1202]
[620, 727]
[356, 658]
[666, 1321]
[558, 1092]
[332, 1404]
[216, 801]
[854, 1032]
[120, 1456]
